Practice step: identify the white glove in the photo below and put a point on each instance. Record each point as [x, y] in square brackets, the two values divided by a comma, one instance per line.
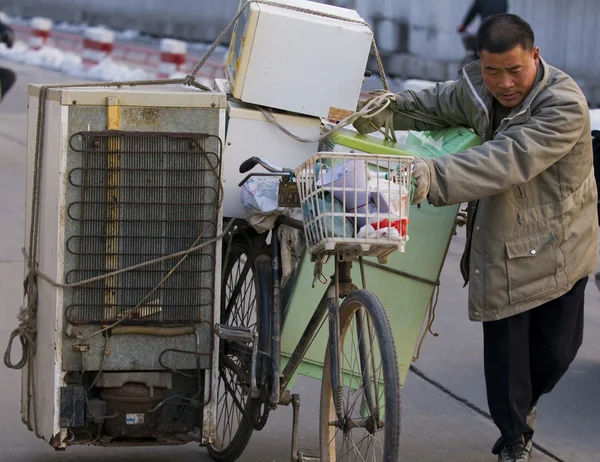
[421, 180]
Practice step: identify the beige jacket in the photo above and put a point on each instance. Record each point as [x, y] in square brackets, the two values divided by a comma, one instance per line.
[532, 228]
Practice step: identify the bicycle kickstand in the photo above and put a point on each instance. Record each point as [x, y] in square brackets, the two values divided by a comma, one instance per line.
[296, 456]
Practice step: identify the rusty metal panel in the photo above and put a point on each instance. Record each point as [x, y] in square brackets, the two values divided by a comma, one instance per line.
[72, 406]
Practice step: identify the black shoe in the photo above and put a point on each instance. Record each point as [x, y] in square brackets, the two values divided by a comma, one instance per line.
[514, 452]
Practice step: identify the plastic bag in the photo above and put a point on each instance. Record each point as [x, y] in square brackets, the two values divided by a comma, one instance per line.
[259, 198]
[352, 176]
[324, 226]
[394, 230]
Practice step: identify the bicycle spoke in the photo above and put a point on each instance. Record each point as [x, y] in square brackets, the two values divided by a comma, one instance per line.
[359, 445]
[356, 362]
[361, 436]
[240, 300]
[351, 364]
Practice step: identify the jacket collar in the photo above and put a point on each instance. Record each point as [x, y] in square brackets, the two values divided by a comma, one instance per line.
[484, 99]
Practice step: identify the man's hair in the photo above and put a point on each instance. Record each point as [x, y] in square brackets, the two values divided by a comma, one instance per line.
[500, 33]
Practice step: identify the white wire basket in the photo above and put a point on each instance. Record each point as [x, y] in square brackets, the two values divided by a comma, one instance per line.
[355, 204]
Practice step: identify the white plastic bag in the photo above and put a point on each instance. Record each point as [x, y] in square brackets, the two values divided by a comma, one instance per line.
[259, 198]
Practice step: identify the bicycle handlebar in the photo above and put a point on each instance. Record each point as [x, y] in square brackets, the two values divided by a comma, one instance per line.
[249, 164]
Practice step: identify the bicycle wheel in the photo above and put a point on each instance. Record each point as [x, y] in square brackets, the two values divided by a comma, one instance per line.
[369, 428]
[244, 303]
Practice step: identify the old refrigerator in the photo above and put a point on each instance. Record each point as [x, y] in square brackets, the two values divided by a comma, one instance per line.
[128, 176]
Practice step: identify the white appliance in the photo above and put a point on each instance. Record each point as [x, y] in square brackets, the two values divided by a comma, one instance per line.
[299, 62]
[111, 199]
[249, 134]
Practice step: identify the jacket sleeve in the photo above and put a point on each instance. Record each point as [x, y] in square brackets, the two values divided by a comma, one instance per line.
[442, 105]
[474, 11]
[514, 157]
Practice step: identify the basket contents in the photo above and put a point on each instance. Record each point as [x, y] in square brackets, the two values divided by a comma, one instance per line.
[327, 213]
[356, 200]
[394, 230]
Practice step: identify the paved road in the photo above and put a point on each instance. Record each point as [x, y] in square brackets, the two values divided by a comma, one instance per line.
[436, 426]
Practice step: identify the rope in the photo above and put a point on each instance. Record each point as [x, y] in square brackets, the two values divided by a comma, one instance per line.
[430, 321]
[232, 23]
[372, 105]
[379, 103]
[133, 267]
[381, 100]
[370, 110]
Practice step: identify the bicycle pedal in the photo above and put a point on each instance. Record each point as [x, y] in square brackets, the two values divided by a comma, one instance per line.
[234, 333]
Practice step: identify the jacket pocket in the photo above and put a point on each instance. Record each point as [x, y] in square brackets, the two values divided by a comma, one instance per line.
[531, 264]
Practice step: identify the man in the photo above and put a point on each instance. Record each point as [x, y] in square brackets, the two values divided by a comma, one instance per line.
[483, 8]
[7, 77]
[532, 221]
[596, 150]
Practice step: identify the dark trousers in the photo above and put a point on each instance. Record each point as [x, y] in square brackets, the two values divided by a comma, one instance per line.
[526, 355]
[7, 78]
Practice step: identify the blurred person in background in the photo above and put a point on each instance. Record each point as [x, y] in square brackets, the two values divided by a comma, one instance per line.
[483, 9]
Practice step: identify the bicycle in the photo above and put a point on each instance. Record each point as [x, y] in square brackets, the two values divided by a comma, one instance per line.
[360, 391]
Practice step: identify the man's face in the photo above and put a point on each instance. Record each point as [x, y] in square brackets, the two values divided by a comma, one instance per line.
[510, 76]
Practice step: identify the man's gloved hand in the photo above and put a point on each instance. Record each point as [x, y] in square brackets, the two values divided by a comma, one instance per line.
[461, 218]
[377, 115]
[7, 35]
[421, 180]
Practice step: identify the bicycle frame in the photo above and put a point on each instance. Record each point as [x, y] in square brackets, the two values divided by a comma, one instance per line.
[339, 286]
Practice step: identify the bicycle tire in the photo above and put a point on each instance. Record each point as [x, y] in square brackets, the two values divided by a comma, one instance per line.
[242, 247]
[386, 376]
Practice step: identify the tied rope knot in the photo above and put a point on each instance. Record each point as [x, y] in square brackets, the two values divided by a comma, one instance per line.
[381, 104]
[26, 332]
[189, 80]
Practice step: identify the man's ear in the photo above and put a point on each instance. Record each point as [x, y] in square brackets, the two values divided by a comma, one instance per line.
[536, 55]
